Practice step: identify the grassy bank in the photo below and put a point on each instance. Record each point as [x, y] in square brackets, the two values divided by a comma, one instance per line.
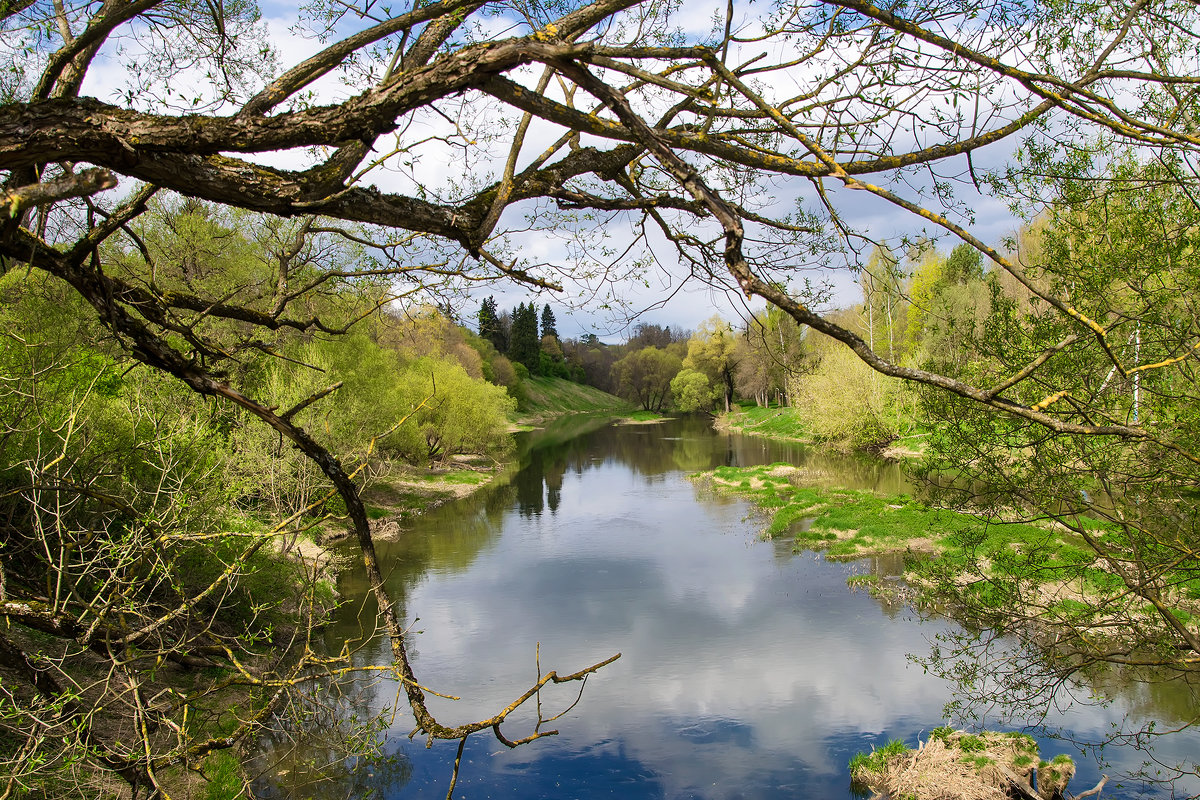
[407, 491]
[794, 425]
[1004, 567]
[776, 422]
[553, 396]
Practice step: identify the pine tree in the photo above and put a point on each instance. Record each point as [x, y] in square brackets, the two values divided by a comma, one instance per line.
[524, 346]
[548, 323]
[489, 324]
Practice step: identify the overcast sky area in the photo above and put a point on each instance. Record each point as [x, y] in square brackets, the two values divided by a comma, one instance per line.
[604, 308]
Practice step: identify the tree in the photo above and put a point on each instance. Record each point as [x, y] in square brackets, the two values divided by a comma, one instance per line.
[1130, 504]
[644, 376]
[524, 347]
[648, 334]
[489, 324]
[848, 405]
[928, 278]
[465, 415]
[964, 265]
[768, 356]
[882, 283]
[548, 323]
[712, 350]
[423, 332]
[142, 525]
[692, 391]
[595, 360]
[679, 138]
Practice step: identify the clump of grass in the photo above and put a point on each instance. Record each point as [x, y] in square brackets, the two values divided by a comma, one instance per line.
[1023, 741]
[224, 775]
[645, 416]
[972, 744]
[787, 516]
[941, 733]
[864, 764]
[468, 477]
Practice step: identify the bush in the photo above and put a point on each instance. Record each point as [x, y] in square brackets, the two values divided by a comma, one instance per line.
[848, 403]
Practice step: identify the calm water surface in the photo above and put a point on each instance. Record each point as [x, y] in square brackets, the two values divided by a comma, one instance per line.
[747, 670]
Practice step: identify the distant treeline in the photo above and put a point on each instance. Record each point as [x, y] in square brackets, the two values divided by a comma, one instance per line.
[921, 306]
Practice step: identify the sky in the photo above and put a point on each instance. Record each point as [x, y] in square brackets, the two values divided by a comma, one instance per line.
[609, 310]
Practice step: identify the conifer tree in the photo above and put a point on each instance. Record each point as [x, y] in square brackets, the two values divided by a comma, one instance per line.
[548, 323]
[523, 347]
[489, 324]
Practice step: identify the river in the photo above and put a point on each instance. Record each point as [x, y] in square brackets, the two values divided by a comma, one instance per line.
[747, 670]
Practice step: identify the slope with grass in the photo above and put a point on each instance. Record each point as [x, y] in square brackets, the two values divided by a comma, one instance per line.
[793, 424]
[778, 422]
[546, 397]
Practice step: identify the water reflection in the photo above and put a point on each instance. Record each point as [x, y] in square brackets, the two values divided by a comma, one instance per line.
[748, 671]
[304, 756]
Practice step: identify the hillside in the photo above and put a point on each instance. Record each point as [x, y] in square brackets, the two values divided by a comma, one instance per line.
[555, 395]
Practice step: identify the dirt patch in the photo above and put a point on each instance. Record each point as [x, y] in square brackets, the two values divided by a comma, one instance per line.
[434, 488]
[842, 535]
[404, 492]
[899, 452]
[312, 554]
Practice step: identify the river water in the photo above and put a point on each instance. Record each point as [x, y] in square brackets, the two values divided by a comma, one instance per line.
[746, 670]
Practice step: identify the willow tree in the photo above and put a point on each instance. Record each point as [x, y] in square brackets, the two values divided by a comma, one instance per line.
[745, 151]
[1126, 589]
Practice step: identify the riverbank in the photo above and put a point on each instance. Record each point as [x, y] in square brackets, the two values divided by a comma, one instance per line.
[787, 424]
[781, 423]
[997, 571]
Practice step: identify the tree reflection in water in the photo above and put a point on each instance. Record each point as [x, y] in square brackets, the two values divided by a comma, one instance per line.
[305, 753]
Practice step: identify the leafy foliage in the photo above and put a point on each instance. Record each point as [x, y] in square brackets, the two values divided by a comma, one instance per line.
[644, 376]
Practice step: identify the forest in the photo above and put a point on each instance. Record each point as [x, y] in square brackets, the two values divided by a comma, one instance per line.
[226, 262]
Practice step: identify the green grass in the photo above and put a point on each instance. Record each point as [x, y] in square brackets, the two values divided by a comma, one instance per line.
[555, 395]
[1024, 741]
[775, 422]
[848, 524]
[645, 416]
[224, 775]
[972, 744]
[941, 733]
[914, 442]
[983, 566]
[876, 760]
[465, 477]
